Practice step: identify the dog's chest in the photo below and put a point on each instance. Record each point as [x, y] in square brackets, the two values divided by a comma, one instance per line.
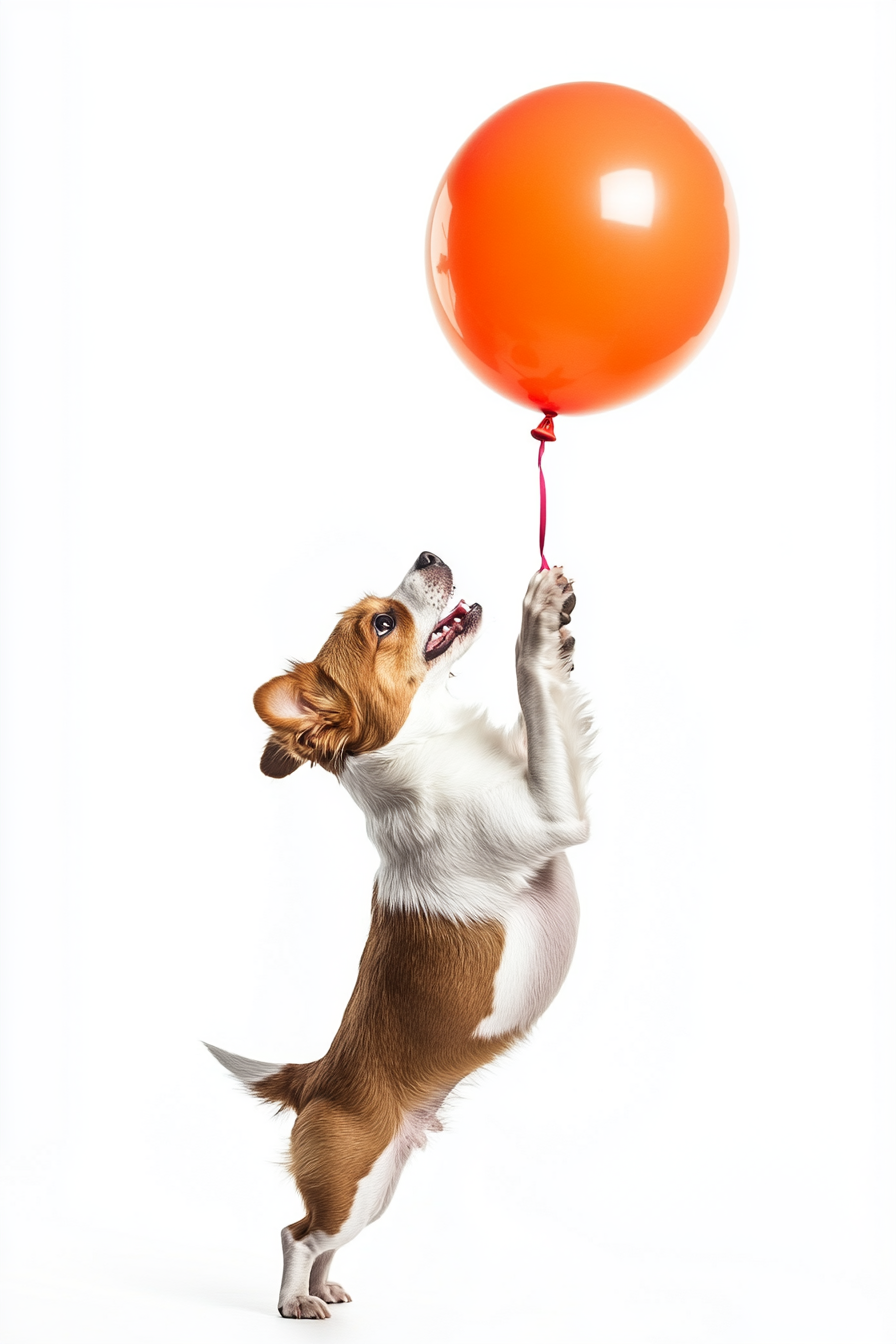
[540, 929]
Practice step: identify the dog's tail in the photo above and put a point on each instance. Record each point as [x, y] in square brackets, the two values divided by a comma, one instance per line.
[283, 1084]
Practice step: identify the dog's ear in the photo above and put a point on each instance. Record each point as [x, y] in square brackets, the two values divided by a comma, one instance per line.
[312, 718]
[276, 760]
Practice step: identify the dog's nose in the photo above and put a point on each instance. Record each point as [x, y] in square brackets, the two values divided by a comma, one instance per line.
[425, 559]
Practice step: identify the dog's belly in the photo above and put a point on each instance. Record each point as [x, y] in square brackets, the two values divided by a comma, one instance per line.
[539, 939]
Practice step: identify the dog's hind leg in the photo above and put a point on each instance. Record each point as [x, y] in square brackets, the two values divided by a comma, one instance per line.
[299, 1255]
[305, 1291]
[346, 1167]
[322, 1287]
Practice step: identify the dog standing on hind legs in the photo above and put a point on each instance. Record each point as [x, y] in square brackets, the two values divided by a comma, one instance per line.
[475, 911]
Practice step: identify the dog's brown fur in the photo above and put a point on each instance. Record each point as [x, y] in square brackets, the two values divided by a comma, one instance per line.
[406, 1039]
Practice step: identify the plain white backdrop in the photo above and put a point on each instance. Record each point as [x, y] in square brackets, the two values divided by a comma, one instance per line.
[227, 413]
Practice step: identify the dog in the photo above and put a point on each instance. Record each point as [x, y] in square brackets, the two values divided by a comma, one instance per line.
[475, 912]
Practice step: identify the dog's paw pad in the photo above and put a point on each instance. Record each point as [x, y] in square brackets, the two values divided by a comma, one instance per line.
[303, 1307]
[333, 1292]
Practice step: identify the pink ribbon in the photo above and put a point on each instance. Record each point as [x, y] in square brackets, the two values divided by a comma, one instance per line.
[544, 507]
[545, 434]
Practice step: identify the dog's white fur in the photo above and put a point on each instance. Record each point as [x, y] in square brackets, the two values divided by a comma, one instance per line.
[464, 814]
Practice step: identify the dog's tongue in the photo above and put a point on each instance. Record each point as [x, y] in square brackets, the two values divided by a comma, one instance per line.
[457, 614]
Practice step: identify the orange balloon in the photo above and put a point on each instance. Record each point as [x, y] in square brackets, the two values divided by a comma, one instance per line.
[580, 247]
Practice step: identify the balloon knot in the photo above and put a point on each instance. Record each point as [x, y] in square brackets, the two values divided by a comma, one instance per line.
[545, 431]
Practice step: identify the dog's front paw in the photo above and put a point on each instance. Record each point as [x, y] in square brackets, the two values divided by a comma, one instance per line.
[547, 608]
[333, 1292]
[303, 1307]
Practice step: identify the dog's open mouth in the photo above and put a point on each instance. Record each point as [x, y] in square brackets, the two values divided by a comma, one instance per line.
[448, 629]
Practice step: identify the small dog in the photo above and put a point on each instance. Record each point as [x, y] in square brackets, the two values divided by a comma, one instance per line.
[475, 911]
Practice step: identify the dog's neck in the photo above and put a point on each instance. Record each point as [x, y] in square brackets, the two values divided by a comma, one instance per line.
[414, 761]
[424, 796]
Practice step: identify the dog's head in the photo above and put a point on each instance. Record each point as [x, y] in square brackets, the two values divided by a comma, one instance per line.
[357, 693]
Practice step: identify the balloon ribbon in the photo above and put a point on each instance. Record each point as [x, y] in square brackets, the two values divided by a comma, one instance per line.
[545, 434]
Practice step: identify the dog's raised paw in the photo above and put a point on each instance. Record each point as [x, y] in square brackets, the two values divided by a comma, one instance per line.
[333, 1292]
[302, 1307]
[550, 591]
[544, 634]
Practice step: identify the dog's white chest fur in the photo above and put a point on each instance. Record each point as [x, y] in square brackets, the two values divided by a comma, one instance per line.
[539, 939]
[449, 808]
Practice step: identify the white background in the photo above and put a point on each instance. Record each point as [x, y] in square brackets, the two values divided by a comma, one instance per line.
[228, 412]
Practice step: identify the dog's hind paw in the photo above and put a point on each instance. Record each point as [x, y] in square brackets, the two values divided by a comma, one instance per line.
[305, 1308]
[333, 1292]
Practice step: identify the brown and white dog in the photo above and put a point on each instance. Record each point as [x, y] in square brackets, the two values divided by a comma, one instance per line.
[474, 907]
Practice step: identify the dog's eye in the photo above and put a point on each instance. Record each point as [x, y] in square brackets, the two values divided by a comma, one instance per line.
[383, 623]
